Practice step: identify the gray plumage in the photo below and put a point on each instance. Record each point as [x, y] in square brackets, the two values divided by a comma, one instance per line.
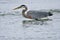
[33, 14]
[38, 14]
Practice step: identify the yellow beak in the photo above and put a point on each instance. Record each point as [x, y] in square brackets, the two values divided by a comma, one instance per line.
[17, 8]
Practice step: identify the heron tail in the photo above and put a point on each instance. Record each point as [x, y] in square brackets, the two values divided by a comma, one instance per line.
[50, 14]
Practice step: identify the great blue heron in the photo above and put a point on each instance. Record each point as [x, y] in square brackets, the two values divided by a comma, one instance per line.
[33, 14]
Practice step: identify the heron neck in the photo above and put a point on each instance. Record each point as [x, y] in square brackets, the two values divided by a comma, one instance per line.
[24, 12]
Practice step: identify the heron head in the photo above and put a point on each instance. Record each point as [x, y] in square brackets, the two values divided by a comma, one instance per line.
[22, 6]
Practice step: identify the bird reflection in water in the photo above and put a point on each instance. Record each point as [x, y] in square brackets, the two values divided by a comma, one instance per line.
[28, 23]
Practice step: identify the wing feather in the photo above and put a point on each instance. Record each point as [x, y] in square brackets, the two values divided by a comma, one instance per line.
[37, 14]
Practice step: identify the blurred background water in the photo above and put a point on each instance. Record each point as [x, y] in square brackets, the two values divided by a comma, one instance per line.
[13, 27]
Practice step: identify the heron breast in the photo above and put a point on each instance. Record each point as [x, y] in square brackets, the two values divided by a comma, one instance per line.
[30, 17]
